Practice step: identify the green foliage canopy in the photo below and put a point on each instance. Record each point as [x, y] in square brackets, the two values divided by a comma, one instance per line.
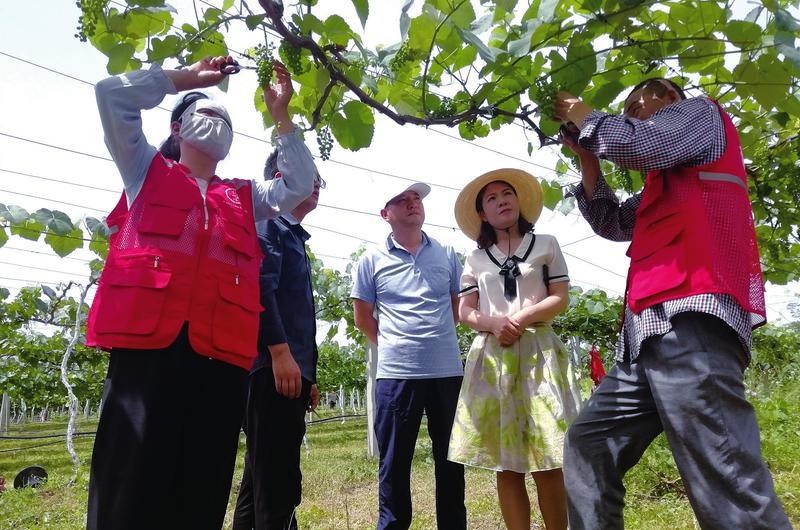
[481, 66]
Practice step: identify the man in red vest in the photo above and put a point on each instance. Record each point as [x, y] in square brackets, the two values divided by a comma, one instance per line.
[694, 294]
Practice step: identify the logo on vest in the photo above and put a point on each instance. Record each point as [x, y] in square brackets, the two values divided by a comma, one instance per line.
[233, 196]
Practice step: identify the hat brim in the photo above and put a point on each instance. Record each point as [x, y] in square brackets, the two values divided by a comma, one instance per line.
[420, 188]
[529, 194]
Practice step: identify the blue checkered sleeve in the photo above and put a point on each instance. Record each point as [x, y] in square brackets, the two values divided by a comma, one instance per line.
[687, 133]
[608, 218]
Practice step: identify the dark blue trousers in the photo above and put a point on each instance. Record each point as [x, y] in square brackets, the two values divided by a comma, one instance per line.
[271, 486]
[399, 405]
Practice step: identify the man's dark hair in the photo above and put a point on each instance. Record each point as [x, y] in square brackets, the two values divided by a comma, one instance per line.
[170, 147]
[271, 165]
[488, 235]
[655, 84]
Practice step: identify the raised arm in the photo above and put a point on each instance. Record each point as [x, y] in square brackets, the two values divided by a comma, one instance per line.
[686, 133]
[597, 202]
[276, 196]
[121, 99]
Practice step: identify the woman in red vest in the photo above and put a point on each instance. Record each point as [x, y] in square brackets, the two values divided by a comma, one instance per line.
[693, 296]
[177, 304]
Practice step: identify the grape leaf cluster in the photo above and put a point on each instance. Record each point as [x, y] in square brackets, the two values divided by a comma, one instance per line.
[91, 13]
[325, 142]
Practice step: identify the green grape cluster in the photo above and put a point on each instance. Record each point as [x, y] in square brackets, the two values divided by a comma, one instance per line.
[291, 54]
[405, 54]
[358, 64]
[325, 142]
[545, 97]
[264, 59]
[447, 109]
[91, 13]
[624, 179]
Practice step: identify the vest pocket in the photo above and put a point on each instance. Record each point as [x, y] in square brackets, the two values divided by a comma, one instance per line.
[237, 236]
[658, 234]
[235, 327]
[163, 220]
[132, 300]
[658, 262]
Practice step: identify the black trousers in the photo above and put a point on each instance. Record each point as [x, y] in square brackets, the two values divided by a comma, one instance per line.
[272, 483]
[399, 405]
[166, 444]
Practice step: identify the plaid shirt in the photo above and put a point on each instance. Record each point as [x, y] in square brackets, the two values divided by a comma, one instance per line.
[687, 133]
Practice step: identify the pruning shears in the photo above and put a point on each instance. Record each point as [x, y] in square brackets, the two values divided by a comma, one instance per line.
[234, 68]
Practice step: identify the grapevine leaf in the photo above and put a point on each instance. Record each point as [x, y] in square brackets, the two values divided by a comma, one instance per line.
[253, 21]
[743, 33]
[405, 19]
[60, 223]
[15, 214]
[97, 227]
[28, 229]
[337, 30]
[354, 128]
[120, 59]
[551, 194]
[63, 245]
[41, 305]
[161, 49]
[487, 54]
[49, 292]
[362, 9]
[42, 216]
[3, 236]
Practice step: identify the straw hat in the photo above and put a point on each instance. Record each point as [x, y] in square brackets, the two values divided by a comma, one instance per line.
[529, 193]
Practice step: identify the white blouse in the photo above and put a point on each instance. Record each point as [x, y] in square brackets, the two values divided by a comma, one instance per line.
[535, 254]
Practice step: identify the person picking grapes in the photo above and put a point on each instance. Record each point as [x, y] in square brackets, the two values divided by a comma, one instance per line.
[694, 294]
[177, 304]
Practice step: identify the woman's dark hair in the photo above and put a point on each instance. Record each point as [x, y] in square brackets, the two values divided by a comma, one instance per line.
[271, 165]
[171, 147]
[656, 85]
[488, 235]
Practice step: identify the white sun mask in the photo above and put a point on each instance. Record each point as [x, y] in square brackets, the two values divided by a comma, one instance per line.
[211, 135]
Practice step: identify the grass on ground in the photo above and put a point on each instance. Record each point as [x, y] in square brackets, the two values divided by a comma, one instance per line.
[340, 486]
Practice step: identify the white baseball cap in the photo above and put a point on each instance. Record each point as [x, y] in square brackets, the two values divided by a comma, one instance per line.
[421, 188]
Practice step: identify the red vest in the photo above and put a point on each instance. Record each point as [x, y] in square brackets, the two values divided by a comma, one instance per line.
[175, 258]
[694, 234]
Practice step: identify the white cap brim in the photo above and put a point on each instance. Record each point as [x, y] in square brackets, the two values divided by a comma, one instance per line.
[420, 188]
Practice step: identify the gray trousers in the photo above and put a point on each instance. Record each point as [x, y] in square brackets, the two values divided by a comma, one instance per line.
[689, 384]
